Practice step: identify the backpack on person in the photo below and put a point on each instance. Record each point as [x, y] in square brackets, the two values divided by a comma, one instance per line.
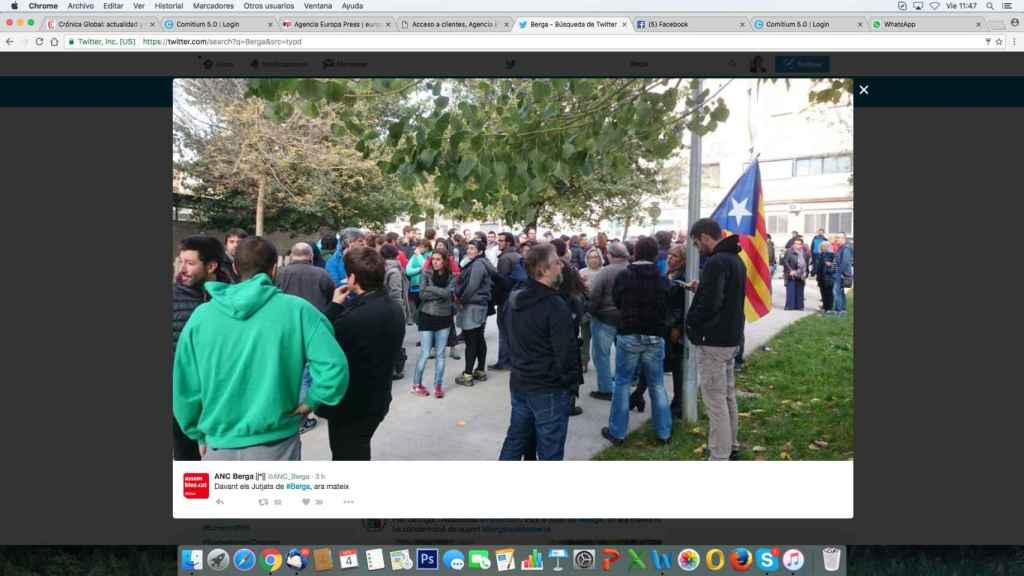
[506, 284]
[517, 278]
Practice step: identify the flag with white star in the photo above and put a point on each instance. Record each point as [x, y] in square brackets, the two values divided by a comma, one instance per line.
[742, 212]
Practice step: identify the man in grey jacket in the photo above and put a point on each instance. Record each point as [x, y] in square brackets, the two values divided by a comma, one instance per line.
[311, 283]
[604, 318]
[301, 278]
[507, 261]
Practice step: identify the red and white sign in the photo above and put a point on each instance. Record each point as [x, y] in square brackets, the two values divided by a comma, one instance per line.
[197, 485]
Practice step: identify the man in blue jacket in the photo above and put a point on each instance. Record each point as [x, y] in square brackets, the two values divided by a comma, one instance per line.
[335, 262]
[816, 250]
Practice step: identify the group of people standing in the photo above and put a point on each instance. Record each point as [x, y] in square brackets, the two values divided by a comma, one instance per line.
[253, 358]
[325, 334]
[449, 288]
[830, 261]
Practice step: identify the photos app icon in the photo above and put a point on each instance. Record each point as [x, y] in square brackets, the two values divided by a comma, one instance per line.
[689, 560]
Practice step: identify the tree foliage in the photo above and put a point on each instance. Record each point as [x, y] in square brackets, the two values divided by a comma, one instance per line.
[310, 175]
[511, 148]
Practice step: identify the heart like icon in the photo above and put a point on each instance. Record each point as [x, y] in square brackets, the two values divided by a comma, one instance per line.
[305, 501]
[934, 5]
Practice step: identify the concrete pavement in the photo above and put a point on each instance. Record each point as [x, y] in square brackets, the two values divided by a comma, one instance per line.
[470, 423]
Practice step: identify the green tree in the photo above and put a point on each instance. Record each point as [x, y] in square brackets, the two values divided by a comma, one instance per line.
[511, 148]
[275, 173]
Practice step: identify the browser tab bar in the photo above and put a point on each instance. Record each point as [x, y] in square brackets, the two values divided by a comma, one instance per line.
[572, 25]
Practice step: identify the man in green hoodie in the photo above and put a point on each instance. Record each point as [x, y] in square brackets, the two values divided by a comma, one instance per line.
[238, 365]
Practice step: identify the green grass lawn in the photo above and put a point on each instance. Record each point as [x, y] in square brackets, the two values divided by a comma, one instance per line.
[804, 404]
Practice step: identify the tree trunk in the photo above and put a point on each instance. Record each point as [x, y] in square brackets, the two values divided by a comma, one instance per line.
[534, 221]
[259, 209]
[625, 231]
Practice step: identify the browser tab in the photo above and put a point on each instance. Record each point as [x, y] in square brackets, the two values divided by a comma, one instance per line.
[684, 24]
[905, 24]
[809, 24]
[455, 24]
[572, 25]
[97, 23]
[335, 24]
[218, 24]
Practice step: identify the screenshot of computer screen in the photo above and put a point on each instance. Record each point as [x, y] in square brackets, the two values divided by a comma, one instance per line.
[505, 288]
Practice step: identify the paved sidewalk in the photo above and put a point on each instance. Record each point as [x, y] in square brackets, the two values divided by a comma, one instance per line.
[470, 423]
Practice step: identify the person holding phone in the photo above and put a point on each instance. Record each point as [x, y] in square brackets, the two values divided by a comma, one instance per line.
[369, 326]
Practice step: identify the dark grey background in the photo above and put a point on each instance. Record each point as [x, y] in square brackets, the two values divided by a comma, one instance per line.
[87, 356]
[422, 64]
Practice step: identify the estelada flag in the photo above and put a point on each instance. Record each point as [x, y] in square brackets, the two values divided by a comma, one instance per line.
[742, 212]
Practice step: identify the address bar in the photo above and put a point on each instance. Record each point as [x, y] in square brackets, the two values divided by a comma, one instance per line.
[868, 42]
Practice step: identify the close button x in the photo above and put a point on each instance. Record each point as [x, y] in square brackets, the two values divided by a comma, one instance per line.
[864, 89]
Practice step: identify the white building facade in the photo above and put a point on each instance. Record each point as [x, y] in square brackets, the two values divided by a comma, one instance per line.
[805, 152]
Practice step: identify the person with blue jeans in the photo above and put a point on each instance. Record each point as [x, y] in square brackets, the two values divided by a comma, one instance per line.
[545, 365]
[641, 295]
[842, 266]
[604, 319]
[437, 285]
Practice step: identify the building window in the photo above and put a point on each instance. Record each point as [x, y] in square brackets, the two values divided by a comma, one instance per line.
[840, 222]
[183, 214]
[836, 164]
[812, 222]
[710, 176]
[778, 224]
[777, 169]
[797, 167]
[831, 222]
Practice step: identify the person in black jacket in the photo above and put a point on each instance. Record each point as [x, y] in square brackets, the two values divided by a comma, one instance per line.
[544, 364]
[674, 348]
[507, 261]
[232, 239]
[370, 327]
[714, 324]
[823, 272]
[640, 293]
[200, 260]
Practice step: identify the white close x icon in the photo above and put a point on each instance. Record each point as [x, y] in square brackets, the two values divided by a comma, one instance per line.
[864, 89]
